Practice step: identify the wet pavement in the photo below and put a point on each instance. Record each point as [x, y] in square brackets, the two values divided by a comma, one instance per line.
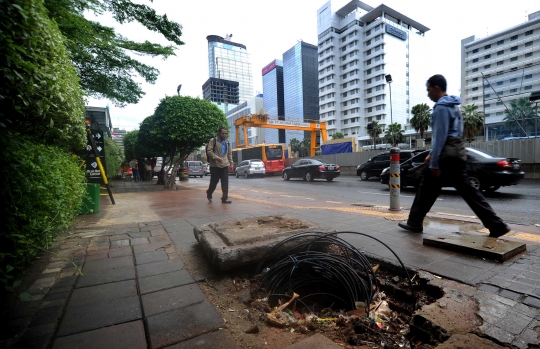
[136, 291]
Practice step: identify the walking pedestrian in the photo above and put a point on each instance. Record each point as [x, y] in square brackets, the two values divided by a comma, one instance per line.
[134, 165]
[220, 158]
[447, 161]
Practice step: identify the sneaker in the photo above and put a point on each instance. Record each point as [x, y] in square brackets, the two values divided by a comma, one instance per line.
[499, 233]
[414, 229]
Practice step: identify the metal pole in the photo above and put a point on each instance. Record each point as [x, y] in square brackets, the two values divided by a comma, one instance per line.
[394, 182]
[391, 117]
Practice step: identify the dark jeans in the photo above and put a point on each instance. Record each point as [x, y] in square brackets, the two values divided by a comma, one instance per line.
[453, 173]
[217, 174]
[135, 175]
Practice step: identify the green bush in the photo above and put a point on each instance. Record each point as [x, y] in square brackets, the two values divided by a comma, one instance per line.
[113, 158]
[40, 94]
[42, 189]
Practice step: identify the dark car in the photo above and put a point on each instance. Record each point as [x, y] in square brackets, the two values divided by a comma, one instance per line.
[486, 171]
[309, 169]
[375, 165]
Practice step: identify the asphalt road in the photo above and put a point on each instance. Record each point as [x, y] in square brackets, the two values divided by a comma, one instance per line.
[519, 204]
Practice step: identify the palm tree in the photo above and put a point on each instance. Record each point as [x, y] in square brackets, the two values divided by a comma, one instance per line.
[338, 135]
[473, 121]
[520, 116]
[375, 132]
[394, 134]
[421, 118]
[295, 146]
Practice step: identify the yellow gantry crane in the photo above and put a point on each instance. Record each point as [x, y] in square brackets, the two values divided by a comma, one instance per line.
[262, 120]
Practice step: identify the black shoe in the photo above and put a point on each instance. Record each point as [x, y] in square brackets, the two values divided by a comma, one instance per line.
[499, 233]
[209, 197]
[408, 227]
[226, 201]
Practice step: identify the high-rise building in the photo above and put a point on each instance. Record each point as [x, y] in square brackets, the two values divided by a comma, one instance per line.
[300, 86]
[255, 134]
[222, 92]
[229, 60]
[274, 106]
[358, 46]
[498, 69]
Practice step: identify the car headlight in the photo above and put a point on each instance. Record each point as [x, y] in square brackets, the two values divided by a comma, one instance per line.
[385, 171]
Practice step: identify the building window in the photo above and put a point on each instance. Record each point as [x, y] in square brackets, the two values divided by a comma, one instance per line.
[487, 56]
[475, 88]
[528, 32]
[475, 60]
[368, 32]
[528, 87]
[368, 62]
[513, 59]
[513, 80]
[475, 70]
[487, 47]
[528, 55]
[486, 115]
[499, 113]
[499, 83]
[528, 76]
[527, 44]
[487, 66]
[487, 105]
[475, 98]
[475, 50]
[475, 79]
[500, 52]
[369, 100]
[500, 42]
[499, 103]
[514, 37]
[500, 63]
[369, 110]
[343, 40]
[513, 48]
[368, 42]
[368, 90]
[368, 52]
[487, 95]
[514, 90]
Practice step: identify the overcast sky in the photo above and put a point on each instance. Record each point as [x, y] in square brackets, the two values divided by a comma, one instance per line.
[268, 29]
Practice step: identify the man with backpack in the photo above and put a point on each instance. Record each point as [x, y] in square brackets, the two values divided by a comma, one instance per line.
[219, 155]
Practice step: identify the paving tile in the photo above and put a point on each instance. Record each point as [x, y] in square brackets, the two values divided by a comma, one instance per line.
[107, 264]
[139, 234]
[96, 252]
[46, 316]
[521, 287]
[120, 252]
[457, 271]
[66, 281]
[119, 237]
[173, 298]
[220, 339]
[57, 295]
[497, 333]
[56, 302]
[154, 246]
[139, 241]
[119, 243]
[106, 276]
[510, 294]
[150, 257]
[164, 281]
[157, 268]
[97, 257]
[489, 288]
[532, 301]
[181, 324]
[525, 310]
[526, 338]
[514, 323]
[101, 314]
[95, 294]
[129, 335]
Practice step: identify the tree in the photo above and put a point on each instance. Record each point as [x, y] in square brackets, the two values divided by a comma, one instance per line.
[338, 135]
[113, 158]
[520, 117]
[473, 121]
[394, 134]
[129, 141]
[305, 146]
[178, 126]
[375, 131]
[421, 118]
[300, 147]
[295, 146]
[104, 58]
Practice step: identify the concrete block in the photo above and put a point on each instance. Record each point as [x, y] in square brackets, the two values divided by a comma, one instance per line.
[173, 298]
[164, 281]
[107, 264]
[106, 276]
[220, 339]
[157, 268]
[150, 257]
[100, 293]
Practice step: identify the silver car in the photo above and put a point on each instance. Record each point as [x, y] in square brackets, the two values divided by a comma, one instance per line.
[249, 168]
[195, 168]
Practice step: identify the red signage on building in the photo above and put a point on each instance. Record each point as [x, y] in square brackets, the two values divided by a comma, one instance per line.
[269, 67]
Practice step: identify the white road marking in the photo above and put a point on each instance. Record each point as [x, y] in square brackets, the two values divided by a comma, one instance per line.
[334, 202]
[255, 191]
[455, 215]
[287, 196]
[383, 194]
[307, 198]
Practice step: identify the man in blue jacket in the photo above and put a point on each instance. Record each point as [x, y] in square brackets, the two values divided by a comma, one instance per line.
[447, 126]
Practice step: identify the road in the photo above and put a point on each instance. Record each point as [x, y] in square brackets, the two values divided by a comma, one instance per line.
[516, 204]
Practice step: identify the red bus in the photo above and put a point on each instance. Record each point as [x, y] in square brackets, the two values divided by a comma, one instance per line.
[271, 154]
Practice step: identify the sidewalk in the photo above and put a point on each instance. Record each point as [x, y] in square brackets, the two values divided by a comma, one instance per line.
[138, 290]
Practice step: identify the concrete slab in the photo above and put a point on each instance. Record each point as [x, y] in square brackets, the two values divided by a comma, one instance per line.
[150, 257]
[481, 246]
[128, 335]
[317, 341]
[181, 324]
[107, 264]
[235, 243]
[468, 341]
[164, 281]
[106, 276]
[157, 268]
[220, 339]
[100, 293]
[120, 252]
[173, 298]
[102, 314]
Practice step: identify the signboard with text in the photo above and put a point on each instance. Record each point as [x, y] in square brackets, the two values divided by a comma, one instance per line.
[398, 33]
[92, 169]
[290, 123]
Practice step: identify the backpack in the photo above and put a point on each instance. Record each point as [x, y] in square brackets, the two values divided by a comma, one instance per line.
[208, 157]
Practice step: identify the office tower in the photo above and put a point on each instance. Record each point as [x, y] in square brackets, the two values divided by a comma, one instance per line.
[255, 134]
[498, 69]
[358, 47]
[272, 75]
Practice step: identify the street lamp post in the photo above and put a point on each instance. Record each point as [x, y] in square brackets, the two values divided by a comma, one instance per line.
[389, 81]
[178, 89]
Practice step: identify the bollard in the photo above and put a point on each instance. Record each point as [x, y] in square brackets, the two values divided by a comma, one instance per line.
[394, 182]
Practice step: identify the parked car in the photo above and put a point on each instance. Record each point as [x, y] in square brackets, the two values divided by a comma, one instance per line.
[486, 171]
[310, 169]
[195, 168]
[206, 169]
[375, 165]
[249, 168]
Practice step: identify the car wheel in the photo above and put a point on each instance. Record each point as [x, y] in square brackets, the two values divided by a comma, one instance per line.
[309, 177]
[329, 179]
[364, 176]
[474, 182]
[236, 174]
[492, 188]
[285, 176]
[200, 176]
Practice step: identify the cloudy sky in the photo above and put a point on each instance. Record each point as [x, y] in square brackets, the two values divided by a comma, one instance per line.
[268, 29]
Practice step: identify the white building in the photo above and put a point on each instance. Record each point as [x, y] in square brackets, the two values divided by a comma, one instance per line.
[358, 46]
[255, 134]
[500, 68]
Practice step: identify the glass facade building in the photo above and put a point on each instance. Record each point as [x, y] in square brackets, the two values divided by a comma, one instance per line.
[230, 61]
[300, 85]
[273, 99]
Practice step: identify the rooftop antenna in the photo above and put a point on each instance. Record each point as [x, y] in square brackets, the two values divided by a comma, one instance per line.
[228, 37]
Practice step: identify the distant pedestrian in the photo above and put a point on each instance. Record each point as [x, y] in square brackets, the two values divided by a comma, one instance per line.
[134, 165]
[447, 162]
[220, 158]
[147, 170]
